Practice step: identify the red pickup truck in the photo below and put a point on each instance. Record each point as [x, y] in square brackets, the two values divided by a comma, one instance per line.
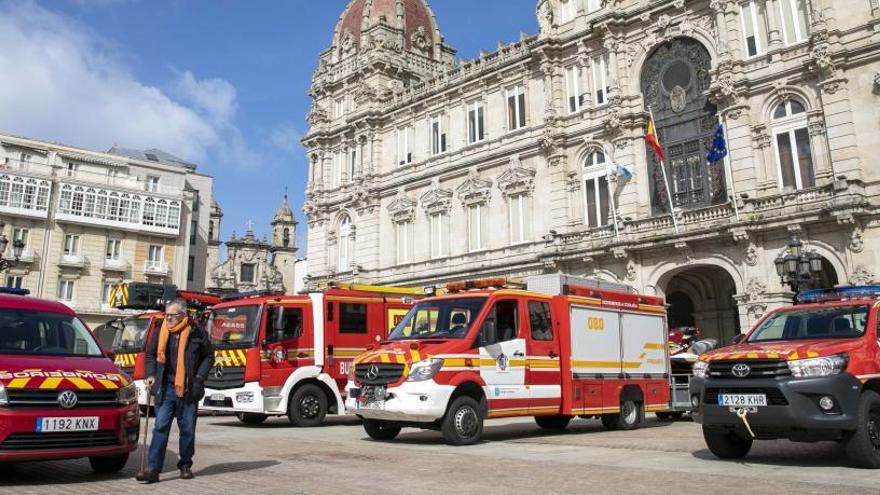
[61, 397]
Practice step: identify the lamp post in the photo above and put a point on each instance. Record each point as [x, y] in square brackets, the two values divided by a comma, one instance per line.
[17, 248]
[800, 269]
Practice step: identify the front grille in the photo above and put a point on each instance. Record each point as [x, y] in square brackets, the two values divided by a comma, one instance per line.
[59, 441]
[385, 373]
[775, 397]
[48, 399]
[229, 377]
[758, 369]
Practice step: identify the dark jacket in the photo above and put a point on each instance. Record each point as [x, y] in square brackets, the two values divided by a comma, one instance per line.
[198, 360]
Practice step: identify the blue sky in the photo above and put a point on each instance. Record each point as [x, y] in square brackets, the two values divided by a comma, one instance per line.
[220, 82]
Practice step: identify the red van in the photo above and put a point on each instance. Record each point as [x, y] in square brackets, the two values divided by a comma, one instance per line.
[61, 397]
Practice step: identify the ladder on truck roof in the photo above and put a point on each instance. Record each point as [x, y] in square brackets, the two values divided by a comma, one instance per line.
[559, 283]
[380, 289]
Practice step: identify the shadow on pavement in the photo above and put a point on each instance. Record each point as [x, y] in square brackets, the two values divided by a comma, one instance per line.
[234, 467]
[786, 453]
[282, 422]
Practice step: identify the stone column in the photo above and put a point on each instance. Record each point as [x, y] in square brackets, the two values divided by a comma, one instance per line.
[719, 7]
[774, 31]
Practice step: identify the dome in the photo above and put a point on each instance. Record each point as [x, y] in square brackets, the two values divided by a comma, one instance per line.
[414, 17]
[284, 213]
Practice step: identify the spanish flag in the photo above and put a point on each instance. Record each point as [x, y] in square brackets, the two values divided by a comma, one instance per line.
[653, 139]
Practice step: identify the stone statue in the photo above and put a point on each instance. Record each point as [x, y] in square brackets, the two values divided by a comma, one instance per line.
[545, 15]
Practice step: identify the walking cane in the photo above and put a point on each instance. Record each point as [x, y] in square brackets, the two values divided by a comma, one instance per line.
[146, 431]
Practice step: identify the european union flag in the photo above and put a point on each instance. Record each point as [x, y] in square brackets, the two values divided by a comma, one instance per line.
[719, 146]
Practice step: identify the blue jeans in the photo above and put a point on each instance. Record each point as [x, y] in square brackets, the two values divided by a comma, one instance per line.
[186, 413]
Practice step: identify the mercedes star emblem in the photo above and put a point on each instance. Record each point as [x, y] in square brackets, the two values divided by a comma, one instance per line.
[372, 372]
[67, 399]
[218, 372]
[741, 370]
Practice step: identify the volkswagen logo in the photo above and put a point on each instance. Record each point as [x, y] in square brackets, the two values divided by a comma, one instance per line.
[372, 372]
[741, 370]
[218, 372]
[67, 399]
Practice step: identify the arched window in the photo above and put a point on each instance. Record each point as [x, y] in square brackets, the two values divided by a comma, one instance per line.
[596, 198]
[344, 258]
[791, 140]
[285, 237]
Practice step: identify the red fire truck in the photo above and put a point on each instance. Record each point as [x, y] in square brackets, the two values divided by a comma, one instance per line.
[60, 395]
[132, 333]
[565, 347]
[290, 355]
[806, 372]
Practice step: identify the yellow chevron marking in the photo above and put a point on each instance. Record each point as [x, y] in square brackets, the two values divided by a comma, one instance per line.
[385, 358]
[18, 383]
[651, 345]
[752, 355]
[812, 354]
[414, 354]
[793, 355]
[109, 384]
[243, 356]
[51, 383]
[80, 383]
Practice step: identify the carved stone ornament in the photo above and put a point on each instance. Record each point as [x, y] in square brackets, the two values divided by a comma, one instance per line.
[631, 270]
[474, 190]
[861, 275]
[686, 250]
[318, 115]
[347, 42]
[756, 290]
[436, 201]
[362, 200]
[760, 136]
[677, 99]
[402, 209]
[517, 180]
[877, 83]
[756, 310]
[546, 18]
[751, 256]
[364, 93]
[420, 39]
[856, 240]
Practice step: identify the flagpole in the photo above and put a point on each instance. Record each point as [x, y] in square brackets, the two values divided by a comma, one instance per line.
[728, 166]
[665, 179]
[613, 195]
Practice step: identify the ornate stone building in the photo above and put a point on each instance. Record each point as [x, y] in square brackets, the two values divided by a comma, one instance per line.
[424, 169]
[251, 263]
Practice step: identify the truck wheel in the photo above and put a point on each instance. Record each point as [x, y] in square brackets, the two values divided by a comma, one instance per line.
[726, 444]
[381, 430]
[628, 418]
[308, 406]
[863, 445]
[108, 464]
[251, 418]
[463, 423]
[558, 422]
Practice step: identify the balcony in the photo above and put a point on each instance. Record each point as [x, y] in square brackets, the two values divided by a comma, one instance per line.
[72, 261]
[118, 265]
[27, 255]
[156, 268]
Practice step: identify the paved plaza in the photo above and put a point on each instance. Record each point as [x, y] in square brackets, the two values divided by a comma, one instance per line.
[515, 457]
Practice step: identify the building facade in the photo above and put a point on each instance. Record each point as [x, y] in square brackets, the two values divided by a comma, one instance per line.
[533, 158]
[250, 263]
[91, 220]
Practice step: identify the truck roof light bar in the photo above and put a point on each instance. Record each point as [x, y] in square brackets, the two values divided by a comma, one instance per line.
[839, 294]
[380, 289]
[251, 294]
[13, 291]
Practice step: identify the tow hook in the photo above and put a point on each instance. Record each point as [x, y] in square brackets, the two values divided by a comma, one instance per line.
[742, 414]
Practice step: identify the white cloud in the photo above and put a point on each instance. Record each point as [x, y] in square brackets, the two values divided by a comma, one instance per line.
[287, 139]
[60, 81]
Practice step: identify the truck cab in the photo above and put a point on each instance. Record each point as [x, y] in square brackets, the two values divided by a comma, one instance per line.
[281, 355]
[61, 397]
[806, 372]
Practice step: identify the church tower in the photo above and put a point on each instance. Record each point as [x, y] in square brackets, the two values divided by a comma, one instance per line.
[213, 240]
[283, 247]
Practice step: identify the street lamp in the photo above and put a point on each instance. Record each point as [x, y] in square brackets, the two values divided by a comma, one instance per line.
[17, 248]
[799, 269]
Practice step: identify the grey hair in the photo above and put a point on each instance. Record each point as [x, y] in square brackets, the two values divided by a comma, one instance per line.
[180, 303]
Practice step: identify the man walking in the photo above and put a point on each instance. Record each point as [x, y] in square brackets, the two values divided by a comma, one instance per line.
[178, 360]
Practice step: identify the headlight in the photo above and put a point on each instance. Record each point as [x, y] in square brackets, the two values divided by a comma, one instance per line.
[821, 366]
[424, 370]
[4, 399]
[127, 394]
[701, 368]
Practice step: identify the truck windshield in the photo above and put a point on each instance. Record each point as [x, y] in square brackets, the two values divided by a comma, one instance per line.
[49, 334]
[132, 336]
[835, 322]
[443, 319]
[237, 326]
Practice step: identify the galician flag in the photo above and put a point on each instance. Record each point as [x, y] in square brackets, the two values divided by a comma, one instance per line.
[653, 139]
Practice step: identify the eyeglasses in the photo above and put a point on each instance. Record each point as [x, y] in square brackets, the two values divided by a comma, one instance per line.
[174, 316]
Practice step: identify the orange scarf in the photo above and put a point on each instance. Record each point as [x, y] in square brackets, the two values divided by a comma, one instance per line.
[180, 372]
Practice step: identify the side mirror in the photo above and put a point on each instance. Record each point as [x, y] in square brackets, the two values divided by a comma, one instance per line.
[110, 355]
[739, 338]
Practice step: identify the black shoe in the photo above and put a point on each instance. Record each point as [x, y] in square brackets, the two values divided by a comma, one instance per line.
[147, 477]
[186, 474]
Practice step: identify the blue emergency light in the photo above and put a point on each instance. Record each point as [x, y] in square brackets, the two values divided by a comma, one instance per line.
[14, 291]
[839, 294]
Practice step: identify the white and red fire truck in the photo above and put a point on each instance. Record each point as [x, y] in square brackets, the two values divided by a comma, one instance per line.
[281, 355]
[565, 347]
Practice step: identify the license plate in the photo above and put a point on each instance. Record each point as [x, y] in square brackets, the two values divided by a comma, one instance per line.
[742, 400]
[371, 398]
[217, 397]
[85, 423]
[371, 404]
